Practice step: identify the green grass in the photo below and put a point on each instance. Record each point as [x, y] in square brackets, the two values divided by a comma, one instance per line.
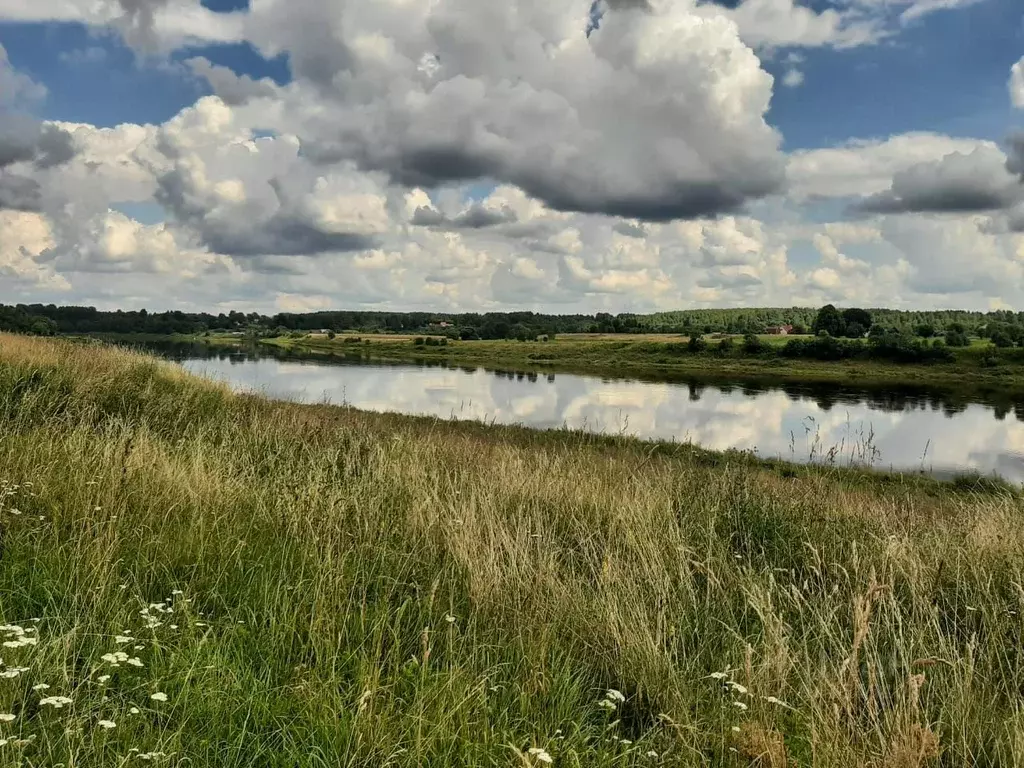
[354, 589]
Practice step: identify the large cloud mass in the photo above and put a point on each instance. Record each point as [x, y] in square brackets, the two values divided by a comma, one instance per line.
[656, 114]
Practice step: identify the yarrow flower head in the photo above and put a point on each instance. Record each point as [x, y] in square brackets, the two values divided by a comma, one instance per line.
[615, 696]
[7, 718]
[159, 696]
[108, 724]
[540, 755]
[57, 702]
[41, 687]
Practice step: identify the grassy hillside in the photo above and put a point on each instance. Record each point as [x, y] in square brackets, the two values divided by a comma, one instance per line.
[314, 586]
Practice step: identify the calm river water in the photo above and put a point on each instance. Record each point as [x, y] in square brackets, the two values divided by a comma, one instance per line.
[905, 430]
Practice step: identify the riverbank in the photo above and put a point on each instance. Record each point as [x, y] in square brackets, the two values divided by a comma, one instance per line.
[311, 585]
[979, 368]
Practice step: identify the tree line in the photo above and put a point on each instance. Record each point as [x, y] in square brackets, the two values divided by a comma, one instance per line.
[954, 327]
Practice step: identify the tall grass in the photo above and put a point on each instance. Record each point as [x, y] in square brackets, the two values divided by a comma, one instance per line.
[315, 586]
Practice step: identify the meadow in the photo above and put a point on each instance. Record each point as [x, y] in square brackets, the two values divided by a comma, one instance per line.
[190, 577]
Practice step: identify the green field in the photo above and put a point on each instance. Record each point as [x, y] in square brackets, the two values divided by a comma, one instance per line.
[979, 367]
[316, 586]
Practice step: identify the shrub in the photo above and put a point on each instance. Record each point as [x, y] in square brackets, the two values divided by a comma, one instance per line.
[753, 345]
[955, 338]
[419, 341]
[696, 343]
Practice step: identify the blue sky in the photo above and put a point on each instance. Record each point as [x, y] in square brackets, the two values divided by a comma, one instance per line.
[315, 153]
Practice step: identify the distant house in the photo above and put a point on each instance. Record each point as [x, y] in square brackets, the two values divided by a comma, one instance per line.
[779, 330]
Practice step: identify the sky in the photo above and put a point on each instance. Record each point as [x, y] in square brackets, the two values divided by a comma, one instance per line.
[489, 155]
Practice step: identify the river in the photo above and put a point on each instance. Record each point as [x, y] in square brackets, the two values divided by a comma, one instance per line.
[916, 431]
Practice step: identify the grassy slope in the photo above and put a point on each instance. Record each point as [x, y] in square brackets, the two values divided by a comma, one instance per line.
[667, 357]
[367, 590]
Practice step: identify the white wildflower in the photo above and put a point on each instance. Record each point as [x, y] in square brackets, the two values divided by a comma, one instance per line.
[135, 662]
[540, 755]
[718, 675]
[177, 592]
[735, 729]
[615, 696]
[773, 700]
[159, 696]
[651, 754]
[41, 687]
[625, 742]
[122, 639]
[738, 688]
[449, 618]
[134, 711]
[7, 718]
[139, 647]
[103, 678]
[740, 706]
[606, 704]
[57, 702]
[3, 742]
[108, 724]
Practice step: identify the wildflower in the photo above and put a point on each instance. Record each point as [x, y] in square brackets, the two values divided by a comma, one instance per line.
[615, 696]
[7, 718]
[174, 626]
[41, 687]
[540, 755]
[158, 696]
[449, 618]
[718, 675]
[108, 724]
[122, 639]
[625, 742]
[740, 706]
[735, 729]
[139, 647]
[3, 742]
[15, 511]
[103, 678]
[151, 755]
[606, 704]
[134, 711]
[97, 509]
[13, 672]
[651, 754]
[135, 662]
[57, 702]
[201, 624]
[177, 592]
[773, 700]
[738, 688]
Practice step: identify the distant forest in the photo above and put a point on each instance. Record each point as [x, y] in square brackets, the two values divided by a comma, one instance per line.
[51, 320]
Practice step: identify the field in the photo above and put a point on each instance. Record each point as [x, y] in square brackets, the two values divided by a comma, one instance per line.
[194, 578]
[979, 369]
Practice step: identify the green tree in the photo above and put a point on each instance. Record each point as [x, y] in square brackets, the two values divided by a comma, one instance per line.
[830, 321]
[855, 330]
[860, 317]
